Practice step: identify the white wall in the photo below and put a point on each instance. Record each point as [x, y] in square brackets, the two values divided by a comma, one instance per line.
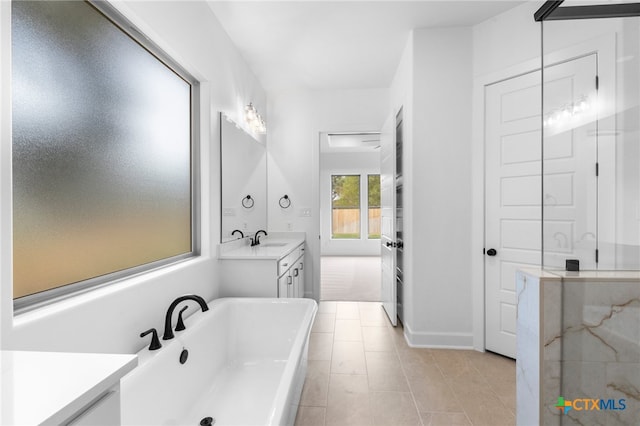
[296, 119]
[362, 163]
[437, 186]
[110, 319]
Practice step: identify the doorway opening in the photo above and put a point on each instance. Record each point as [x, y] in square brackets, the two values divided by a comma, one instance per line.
[350, 266]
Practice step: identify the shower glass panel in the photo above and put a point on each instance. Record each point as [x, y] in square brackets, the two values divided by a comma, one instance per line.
[591, 207]
[590, 147]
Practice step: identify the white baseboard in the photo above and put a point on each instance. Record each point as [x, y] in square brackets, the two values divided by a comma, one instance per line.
[438, 340]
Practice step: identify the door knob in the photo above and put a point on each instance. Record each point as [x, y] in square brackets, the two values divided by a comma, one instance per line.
[389, 244]
[491, 252]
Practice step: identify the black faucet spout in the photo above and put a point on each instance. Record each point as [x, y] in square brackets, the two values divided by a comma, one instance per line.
[256, 238]
[168, 330]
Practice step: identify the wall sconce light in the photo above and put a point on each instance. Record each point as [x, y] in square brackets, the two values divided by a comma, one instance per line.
[255, 121]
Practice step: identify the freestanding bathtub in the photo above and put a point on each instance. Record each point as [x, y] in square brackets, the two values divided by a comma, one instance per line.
[247, 360]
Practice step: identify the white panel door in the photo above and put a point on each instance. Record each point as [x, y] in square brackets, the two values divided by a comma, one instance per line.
[387, 218]
[513, 184]
[512, 201]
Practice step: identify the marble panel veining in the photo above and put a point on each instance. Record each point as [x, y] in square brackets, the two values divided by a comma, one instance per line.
[586, 349]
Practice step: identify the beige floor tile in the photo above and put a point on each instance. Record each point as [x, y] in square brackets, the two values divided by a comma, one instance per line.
[394, 409]
[422, 371]
[316, 385]
[385, 372]
[445, 419]
[433, 395]
[348, 400]
[397, 335]
[480, 403]
[327, 307]
[320, 346]
[343, 384]
[493, 366]
[310, 416]
[347, 310]
[454, 363]
[348, 358]
[353, 409]
[324, 323]
[487, 410]
[410, 356]
[377, 339]
[348, 330]
[372, 315]
[365, 373]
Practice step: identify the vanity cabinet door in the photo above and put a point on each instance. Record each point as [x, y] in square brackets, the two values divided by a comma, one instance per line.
[296, 283]
[105, 411]
[301, 280]
[286, 284]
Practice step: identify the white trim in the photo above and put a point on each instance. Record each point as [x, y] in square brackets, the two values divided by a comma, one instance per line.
[6, 260]
[438, 340]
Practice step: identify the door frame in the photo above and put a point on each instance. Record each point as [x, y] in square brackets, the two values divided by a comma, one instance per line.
[605, 47]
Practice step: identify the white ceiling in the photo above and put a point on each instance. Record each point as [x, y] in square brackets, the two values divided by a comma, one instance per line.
[337, 44]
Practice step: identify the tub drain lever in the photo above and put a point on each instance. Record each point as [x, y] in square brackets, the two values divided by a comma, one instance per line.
[155, 342]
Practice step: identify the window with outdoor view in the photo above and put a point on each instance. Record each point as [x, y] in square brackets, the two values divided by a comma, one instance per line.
[373, 197]
[345, 206]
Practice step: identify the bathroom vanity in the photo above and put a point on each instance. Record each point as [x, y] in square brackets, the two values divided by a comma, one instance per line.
[274, 268]
[54, 388]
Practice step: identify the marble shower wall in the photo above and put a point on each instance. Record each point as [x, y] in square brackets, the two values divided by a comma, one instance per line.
[601, 349]
[578, 337]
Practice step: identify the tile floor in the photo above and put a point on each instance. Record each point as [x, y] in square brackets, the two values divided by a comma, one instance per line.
[361, 372]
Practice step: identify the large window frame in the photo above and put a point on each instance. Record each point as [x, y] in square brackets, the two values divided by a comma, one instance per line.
[29, 302]
[364, 220]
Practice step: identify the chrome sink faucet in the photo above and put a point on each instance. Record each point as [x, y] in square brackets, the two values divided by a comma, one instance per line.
[168, 330]
[256, 239]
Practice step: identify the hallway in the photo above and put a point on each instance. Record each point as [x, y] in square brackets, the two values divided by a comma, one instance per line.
[361, 372]
[350, 278]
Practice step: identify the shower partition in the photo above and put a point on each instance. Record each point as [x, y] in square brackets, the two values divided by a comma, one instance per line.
[579, 318]
[590, 123]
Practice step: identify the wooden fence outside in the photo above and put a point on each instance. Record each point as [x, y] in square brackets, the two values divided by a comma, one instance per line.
[347, 221]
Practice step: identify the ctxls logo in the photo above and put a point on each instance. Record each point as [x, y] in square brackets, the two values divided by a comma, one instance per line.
[590, 404]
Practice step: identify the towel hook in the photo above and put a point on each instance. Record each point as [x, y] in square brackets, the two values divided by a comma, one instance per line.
[247, 202]
[285, 201]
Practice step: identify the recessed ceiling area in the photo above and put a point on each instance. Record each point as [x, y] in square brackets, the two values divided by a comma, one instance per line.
[321, 45]
[349, 142]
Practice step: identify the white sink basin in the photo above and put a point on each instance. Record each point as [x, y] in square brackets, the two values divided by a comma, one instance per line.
[274, 244]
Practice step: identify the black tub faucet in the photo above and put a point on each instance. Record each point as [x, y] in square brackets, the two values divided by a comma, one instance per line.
[256, 238]
[168, 331]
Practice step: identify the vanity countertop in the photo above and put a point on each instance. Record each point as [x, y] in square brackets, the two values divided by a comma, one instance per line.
[268, 249]
[49, 387]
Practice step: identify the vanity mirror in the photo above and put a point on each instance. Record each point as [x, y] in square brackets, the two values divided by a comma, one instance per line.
[243, 181]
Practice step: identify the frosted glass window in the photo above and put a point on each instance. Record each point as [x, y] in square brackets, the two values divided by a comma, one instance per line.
[102, 156]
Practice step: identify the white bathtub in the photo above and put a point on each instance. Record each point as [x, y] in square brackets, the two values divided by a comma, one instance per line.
[246, 366]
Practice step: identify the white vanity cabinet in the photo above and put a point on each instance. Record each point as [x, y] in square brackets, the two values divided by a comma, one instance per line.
[59, 388]
[291, 274]
[274, 270]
